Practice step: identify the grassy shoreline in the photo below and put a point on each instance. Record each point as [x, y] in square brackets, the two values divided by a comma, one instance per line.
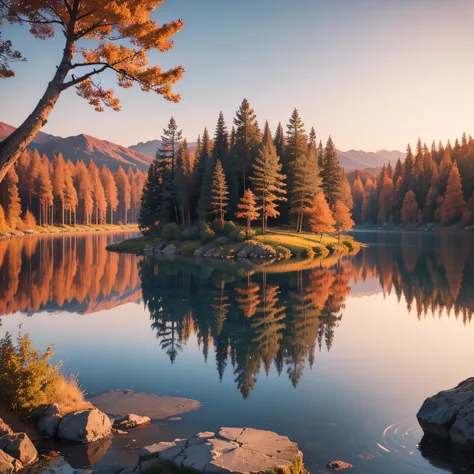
[286, 244]
[67, 229]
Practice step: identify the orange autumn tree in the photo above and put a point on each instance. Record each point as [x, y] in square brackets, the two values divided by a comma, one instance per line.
[125, 35]
[320, 218]
[342, 216]
[409, 208]
[454, 203]
[248, 209]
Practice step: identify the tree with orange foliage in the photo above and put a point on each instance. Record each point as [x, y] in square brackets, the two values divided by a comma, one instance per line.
[342, 216]
[110, 188]
[124, 195]
[13, 200]
[454, 203]
[409, 208]
[84, 192]
[248, 209]
[385, 200]
[45, 193]
[3, 221]
[98, 194]
[320, 218]
[357, 198]
[59, 181]
[112, 24]
[70, 194]
[29, 221]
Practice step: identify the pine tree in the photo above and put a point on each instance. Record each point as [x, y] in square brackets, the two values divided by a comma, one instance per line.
[3, 220]
[320, 155]
[98, 193]
[444, 170]
[343, 218]
[206, 168]
[110, 188]
[247, 209]
[454, 203]
[321, 219]
[182, 184]
[221, 140]
[312, 143]
[306, 184]
[410, 208]
[123, 191]
[268, 182]
[248, 139]
[296, 142]
[149, 218]
[13, 200]
[331, 174]
[84, 192]
[385, 200]
[45, 192]
[219, 193]
[358, 198]
[280, 141]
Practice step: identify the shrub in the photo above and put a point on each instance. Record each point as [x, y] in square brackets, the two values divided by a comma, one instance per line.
[216, 226]
[206, 234]
[230, 227]
[349, 244]
[245, 234]
[171, 231]
[29, 380]
[308, 252]
[192, 233]
[282, 252]
[29, 221]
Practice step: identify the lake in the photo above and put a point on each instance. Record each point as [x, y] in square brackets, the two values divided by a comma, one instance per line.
[337, 354]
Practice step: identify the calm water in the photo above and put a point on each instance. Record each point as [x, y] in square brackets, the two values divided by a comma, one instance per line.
[338, 354]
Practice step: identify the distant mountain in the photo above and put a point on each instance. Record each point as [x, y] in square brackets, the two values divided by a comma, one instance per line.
[349, 159]
[85, 147]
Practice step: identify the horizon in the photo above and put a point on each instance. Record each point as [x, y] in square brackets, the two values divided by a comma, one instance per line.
[395, 52]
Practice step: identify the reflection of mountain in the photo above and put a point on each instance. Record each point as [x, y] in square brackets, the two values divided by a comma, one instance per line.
[252, 321]
[72, 273]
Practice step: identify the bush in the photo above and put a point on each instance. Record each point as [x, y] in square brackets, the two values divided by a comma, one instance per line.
[192, 233]
[282, 252]
[171, 231]
[308, 252]
[206, 234]
[216, 226]
[230, 227]
[245, 234]
[28, 379]
[349, 244]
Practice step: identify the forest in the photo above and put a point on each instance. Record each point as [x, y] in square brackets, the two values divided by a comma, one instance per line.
[433, 187]
[249, 174]
[38, 191]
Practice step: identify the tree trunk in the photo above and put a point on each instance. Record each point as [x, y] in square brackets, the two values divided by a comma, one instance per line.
[15, 144]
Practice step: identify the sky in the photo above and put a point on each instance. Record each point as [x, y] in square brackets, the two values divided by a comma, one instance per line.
[373, 74]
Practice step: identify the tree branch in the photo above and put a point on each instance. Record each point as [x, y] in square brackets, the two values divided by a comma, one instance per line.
[78, 80]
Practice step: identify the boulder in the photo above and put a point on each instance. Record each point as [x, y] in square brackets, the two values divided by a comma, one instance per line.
[200, 251]
[169, 249]
[450, 414]
[339, 465]
[20, 447]
[231, 450]
[9, 464]
[148, 251]
[221, 240]
[159, 248]
[4, 429]
[51, 410]
[130, 421]
[85, 426]
[48, 425]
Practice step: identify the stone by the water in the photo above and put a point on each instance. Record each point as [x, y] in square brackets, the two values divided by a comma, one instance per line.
[19, 446]
[130, 421]
[9, 464]
[230, 450]
[85, 426]
[339, 465]
[450, 414]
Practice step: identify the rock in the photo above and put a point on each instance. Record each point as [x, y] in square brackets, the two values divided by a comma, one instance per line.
[159, 248]
[209, 252]
[169, 249]
[221, 240]
[20, 447]
[85, 426]
[51, 410]
[48, 426]
[231, 450]
[115, 431]
[200, 251]
[130, 421]
[148, 251]
[462, 431]
[440, 413]
[9, 464]
[339, 465]
[4, 429]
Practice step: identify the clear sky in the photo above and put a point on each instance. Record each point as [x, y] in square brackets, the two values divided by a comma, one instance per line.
[372, 73]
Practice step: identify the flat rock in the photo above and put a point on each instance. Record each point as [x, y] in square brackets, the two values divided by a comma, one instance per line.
[19, 446]
[230, 450]
[130, 421]
[9, 464]
[85, 426]
[48, 425]
[118, 402]
[339, 465]
[200, 251]
[448, 413]
[169, 249]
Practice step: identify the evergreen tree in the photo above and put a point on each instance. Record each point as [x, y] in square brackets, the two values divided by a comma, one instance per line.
[219, 193]
[13, 200]
[221, 140]
[385, 201]
[410, 208]
[331, 174]
[182, 184]
[268, 182]
[267, 134]
[296, 142]
[454, 203]
[280, 141]
[3, 220]
[320, 155]
[248, 139]
[206, 168]
[98, 194]
[312, 143]
[149, 218]
[29, 221]
[358, 198]
[247, 209]
[346, 193]
[321, 219]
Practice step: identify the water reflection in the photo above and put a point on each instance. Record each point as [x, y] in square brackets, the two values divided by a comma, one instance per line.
[71, 273]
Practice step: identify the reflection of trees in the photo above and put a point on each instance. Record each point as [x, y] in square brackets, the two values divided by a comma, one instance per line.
[250, 324]
[71, 272]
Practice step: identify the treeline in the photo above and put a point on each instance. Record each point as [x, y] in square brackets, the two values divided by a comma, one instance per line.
[44, 192]
[432, 186]
[247, 174]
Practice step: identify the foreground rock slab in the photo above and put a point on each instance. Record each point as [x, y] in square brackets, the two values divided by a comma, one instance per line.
[9, 464]
[85, 426]
[130, 421]
[230, 450]
[339, 465]
[450, 414]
